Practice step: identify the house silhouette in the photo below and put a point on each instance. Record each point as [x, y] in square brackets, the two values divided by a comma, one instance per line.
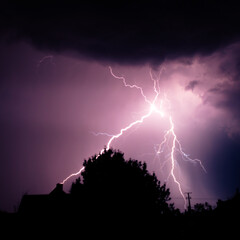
[55, 203]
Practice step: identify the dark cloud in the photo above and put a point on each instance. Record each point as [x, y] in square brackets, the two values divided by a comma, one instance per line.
[231, 66]
[191, 85]
[123, 31]
[226, 98]
[225, 93]
[229, 99]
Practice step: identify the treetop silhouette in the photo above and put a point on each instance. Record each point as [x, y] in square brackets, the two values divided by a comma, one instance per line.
[112, 185]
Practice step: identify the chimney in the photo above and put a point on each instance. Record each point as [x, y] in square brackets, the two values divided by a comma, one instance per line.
[58, 190]
[59, 187]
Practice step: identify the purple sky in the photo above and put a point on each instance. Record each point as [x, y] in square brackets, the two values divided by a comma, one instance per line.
[53, 97]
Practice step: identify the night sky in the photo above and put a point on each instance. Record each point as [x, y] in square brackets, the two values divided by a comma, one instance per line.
[57, 92]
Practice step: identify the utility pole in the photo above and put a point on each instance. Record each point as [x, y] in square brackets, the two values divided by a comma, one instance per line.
[189, 202]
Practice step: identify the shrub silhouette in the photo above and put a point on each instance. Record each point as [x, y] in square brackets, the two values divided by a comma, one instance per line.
[113, 187]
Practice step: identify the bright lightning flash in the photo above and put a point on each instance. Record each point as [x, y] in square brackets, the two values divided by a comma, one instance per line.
[160, 105]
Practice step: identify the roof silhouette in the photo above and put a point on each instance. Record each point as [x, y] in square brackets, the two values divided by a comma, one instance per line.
[41, 204]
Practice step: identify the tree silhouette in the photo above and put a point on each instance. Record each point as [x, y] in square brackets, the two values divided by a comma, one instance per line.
[117, 188]
[229, 207]
[202, 209]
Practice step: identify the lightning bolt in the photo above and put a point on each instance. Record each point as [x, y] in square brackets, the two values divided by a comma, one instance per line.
[160, 105]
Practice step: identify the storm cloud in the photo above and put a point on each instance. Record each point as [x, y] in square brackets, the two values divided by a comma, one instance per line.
[125, 32]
